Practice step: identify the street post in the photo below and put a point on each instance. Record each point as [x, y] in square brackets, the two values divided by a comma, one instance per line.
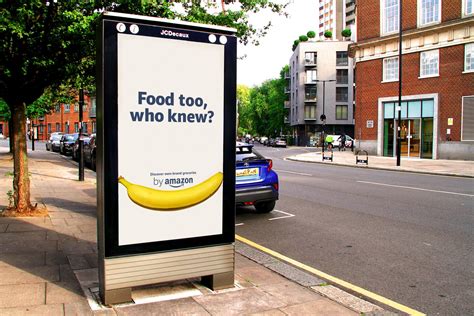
[81, 141]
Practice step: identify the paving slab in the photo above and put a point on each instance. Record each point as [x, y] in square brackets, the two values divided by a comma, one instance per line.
[63, 292]
[3, 227]
[39, 274]
[22, 260]
[21, 246]
[186, 306]
[272, 312]
[259, 276]
[80, 308]
[17, 295]
[239, 302]
[290, 293]
[23, 236]
[318, 307]
[37, 310]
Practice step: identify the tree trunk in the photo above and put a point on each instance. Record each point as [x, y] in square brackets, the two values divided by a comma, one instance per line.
[21, 180]
[10, 133]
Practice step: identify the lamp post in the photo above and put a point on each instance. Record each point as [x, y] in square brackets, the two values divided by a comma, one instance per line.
[399, 130]
[323, 116]
[81, 141]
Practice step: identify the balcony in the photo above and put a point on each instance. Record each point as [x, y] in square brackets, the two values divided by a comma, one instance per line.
[287, 90]
[309, 118]
[310, 63]
[310, 99]
[287, 104]
[287, 75]
[286, 120]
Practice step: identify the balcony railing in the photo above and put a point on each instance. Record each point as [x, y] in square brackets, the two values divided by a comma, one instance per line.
[287, 75]
[287, 104]
[310, 62]
[287, 90]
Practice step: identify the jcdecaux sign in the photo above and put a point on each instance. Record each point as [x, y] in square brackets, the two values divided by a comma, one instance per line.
[166, 150]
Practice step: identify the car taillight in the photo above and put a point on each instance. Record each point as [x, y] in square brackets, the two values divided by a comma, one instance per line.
[275, 185]
[270, 164]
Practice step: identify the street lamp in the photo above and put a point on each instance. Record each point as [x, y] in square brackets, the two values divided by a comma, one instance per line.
[323, 116]
[399, 129]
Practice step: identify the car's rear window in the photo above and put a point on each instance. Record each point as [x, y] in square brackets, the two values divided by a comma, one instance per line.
[244, 153]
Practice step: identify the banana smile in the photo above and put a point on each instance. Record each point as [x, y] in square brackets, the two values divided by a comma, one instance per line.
[175, 199]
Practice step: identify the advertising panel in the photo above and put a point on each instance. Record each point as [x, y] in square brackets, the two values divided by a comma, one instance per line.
[166, 132]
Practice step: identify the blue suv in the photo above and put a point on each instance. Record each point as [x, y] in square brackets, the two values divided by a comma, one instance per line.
[255, 182]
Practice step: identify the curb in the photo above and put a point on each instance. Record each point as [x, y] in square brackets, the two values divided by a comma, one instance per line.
[309, 281]
[381, 168]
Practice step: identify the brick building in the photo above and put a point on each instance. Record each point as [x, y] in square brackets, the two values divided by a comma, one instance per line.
[63, 118]
[437, 79]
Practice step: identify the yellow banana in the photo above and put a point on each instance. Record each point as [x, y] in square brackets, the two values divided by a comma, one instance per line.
[172, 200]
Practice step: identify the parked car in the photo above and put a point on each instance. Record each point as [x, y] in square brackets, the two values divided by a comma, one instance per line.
[75, 148]
[53, 143]
[256, 182]
[348, 143]
[90, 152]
[280, 142]
[263, 139]
[67, 143]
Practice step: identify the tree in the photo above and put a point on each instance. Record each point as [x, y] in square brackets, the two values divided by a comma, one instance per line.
[46, 44]
[311, 34]
[328, 34]
[346, 33]
[266, 108]
[303, 38]
[245, 110]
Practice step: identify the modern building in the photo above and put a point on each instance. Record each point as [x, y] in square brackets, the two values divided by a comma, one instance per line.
[320, 83]
[335, 16]
[437, 107]
[63, 118]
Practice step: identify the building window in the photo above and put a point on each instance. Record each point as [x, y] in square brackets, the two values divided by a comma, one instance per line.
[342, 76]
[94, 127]
[57, 108]
[67, 108]
[76, 107]
[66, 127]
[429, 63]
[390, 15]
[49, 128]
[310, 112]
[429, 11]
[469, 57]
[41, 129]
[341, 59]
[310, 93]
[310, 58]
[341, 94]
[310, 76]
[84, 127]
[341, 112]
[468, 7]
[58, 127]
[467, 118]
[390, 69]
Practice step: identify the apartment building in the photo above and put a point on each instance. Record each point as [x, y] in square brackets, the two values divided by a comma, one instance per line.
[437, 107]
[320, 82]
[63, 118]
[335, 16]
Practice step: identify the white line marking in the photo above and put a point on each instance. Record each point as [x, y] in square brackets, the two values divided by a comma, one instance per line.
[298, 173]
[239, 224]
[413, 188]
[287, 215]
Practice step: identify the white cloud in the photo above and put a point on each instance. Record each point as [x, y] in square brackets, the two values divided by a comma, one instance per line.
[266, 60]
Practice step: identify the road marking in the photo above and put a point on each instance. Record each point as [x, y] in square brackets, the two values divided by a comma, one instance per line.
[239, 224]
[292, 172]
[330, 278]
[287, 215]
[413, 188]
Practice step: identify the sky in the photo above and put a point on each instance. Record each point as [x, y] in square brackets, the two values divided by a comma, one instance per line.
[265, 61]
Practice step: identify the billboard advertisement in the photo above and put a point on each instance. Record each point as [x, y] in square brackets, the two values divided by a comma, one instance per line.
[166, 127]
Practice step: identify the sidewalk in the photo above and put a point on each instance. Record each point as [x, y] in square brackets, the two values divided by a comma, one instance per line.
[48, 266]
[347, 158]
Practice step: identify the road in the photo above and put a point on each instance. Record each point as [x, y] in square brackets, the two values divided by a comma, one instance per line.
[411, 243]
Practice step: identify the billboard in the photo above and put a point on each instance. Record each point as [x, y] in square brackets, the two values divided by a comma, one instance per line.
[166, 135]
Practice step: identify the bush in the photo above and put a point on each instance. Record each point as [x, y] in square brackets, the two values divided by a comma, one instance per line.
[303, 38]
[311, 34]
[328, 34]
[346, 33]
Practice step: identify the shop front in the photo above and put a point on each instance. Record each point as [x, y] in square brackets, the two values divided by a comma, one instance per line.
[417, 128]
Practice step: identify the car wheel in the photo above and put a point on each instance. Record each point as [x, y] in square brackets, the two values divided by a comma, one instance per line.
[265, 207]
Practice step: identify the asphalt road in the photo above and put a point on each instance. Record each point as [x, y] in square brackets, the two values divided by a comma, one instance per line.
[414, 247]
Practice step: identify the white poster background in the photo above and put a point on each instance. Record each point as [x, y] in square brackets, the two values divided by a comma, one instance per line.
[160, 66]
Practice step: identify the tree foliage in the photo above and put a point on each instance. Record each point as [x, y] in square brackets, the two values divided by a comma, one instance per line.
[47, 50]
[264, 113]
